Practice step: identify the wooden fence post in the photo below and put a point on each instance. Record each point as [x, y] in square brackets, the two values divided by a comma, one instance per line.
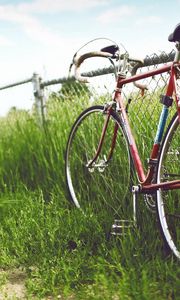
[39, 98]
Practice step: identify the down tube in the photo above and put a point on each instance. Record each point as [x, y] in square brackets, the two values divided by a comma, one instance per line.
[132, 144]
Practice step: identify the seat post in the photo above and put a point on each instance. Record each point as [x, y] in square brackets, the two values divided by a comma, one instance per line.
[177, 54]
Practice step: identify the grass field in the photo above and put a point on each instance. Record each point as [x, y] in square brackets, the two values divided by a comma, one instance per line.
[64, 253]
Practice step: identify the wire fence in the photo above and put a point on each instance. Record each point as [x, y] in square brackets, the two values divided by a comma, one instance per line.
[155, 85]
[143, 110]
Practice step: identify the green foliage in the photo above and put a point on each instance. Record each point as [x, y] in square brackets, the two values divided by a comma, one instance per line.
[72, 89]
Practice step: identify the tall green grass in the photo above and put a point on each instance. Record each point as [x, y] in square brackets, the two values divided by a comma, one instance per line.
[63, 251]
[33, 155]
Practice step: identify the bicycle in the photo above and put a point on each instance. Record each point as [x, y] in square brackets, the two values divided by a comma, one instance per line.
[102, 159]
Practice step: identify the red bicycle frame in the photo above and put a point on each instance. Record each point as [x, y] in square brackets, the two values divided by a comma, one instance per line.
[146, 185]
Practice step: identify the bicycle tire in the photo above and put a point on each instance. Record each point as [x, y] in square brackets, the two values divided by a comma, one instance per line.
[101, 192]
[168, 202]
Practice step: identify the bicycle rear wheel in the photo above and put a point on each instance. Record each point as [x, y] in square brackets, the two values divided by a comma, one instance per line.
[102, 189]
[168, 202]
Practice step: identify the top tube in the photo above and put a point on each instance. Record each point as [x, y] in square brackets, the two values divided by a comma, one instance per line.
[144, 75]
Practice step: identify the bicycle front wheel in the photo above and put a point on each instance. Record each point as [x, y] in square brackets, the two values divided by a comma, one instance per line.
[168, 201]
[100, 190]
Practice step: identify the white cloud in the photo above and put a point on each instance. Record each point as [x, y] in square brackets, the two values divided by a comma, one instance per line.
[29, 24]
[149, 20]
[116, 14]
[49, 6]
[9, 13]
[4, 41]
[56, 49]
[24, 14]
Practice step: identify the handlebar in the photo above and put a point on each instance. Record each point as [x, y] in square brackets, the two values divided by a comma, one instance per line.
[78, 61]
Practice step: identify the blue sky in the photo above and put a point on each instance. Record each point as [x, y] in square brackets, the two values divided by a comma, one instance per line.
[42, 35]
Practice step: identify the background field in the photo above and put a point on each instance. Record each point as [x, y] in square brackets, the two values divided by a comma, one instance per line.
[63, 252]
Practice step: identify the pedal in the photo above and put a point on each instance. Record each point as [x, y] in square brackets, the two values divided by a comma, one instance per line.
[121, 227]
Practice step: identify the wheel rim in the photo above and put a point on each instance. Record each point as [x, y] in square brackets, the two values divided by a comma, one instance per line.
[168, 202]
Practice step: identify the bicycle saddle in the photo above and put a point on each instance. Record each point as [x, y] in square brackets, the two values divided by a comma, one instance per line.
[175, 35]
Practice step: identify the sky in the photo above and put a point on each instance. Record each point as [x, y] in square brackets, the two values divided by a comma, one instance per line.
[41, 36]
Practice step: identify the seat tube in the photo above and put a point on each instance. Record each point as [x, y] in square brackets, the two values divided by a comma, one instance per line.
[130, 138]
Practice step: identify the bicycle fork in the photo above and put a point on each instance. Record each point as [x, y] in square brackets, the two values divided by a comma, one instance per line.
[92, 163]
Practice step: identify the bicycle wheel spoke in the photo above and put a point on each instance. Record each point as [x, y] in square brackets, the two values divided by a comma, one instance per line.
[171, 175]
[173, 215]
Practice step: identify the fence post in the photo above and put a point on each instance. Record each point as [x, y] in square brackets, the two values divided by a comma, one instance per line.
[39, 98]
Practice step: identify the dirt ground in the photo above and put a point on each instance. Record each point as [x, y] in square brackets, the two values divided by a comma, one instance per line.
[13, 285]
